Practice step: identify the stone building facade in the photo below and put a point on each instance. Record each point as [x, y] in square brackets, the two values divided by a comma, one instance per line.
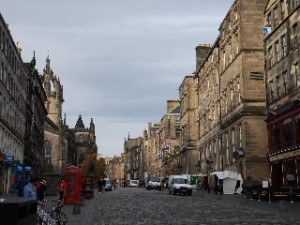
[55, 142]
[187, 144]
[133, 159]
[13, 91]
[34, 155]
[151, 150]
[85, 139]
[231, 96]
[283, 91]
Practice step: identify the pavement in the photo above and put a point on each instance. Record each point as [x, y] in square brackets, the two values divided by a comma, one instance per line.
[80, 214]
[91, 211]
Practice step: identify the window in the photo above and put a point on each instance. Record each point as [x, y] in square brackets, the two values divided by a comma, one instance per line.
[227, 148]
[276, 144]
[294, 39]
[233, 140]
[285, 82]
[270, 54]
[278, 83]
[282, 6]
[277, 52]
[288, 132]
[294, 4]
[283, 45]
[239, 92]
[271, 91]
[269, 19]
[297, 120]
[276, 21]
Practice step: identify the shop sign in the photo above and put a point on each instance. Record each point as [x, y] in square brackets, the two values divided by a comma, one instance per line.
[19, 168]
[27, 168]
[9, 159]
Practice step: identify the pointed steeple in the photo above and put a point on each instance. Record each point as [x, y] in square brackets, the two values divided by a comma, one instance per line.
[79, 123]
[33, 61]
[48, 63]
[92, 125]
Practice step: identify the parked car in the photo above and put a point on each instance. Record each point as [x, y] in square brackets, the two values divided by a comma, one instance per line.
[153, 183]
[133, 183]
[108, 185]
[179, 184]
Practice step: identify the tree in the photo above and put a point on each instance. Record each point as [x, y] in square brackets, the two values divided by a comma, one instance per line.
[91, 166]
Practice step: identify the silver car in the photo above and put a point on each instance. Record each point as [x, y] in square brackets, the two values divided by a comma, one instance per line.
[108, 185]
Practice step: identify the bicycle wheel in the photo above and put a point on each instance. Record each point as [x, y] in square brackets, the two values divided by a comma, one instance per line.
[63, 219]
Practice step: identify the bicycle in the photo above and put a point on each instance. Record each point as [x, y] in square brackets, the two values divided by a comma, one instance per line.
[43, 217]
[57, 214]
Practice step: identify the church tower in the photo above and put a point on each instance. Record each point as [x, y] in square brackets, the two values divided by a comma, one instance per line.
[54, 92]
[55, 142]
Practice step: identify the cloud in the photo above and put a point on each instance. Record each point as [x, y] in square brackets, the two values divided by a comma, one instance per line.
[118, 61]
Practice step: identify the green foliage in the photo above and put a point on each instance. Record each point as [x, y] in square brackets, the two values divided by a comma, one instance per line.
[93, 166]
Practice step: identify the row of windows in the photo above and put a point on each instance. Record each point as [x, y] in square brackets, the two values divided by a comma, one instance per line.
[13, 117]
[9, 52]
[283, 83]
[285, 134]
[13, 89]
[9, 145]
[229, 142]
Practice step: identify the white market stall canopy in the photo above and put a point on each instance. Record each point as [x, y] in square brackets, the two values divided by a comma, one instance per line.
[232, 181]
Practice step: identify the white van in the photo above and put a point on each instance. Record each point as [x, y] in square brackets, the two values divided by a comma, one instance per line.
[179, 184]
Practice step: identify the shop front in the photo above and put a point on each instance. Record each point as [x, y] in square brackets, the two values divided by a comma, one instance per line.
[284, 151]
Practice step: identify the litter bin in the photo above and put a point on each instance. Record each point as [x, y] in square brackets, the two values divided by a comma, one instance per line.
[16, 210]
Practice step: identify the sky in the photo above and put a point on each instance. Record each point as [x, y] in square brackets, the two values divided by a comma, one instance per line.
[119, 61]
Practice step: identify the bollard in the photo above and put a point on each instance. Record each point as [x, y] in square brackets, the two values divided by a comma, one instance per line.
[282, 206]
[82, 201]
[76, 208]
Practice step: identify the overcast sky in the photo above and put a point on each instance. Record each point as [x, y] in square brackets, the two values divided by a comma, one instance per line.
[119, 61]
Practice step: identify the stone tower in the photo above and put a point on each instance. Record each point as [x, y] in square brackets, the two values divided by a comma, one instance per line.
[55, 143]
[54, 92]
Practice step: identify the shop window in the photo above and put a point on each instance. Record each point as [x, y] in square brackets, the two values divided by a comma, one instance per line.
[288, 132]
[297, 118]
[276, 143]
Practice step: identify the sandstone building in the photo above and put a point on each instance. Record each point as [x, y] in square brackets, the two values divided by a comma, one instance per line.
[231, 96]
[55, 142]
[13, 90]
[283, 81]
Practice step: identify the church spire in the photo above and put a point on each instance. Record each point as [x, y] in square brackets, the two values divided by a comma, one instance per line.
[79, 123]
[92, 125]
[48, 63]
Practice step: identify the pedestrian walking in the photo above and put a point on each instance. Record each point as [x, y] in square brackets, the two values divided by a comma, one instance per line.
[61, 189]
[41, 189]
[103, 185]
[99, 183]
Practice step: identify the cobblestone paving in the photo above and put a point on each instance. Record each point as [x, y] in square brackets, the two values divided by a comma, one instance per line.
[126, 206]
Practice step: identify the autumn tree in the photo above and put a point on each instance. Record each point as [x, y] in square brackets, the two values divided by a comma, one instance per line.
[91, 166]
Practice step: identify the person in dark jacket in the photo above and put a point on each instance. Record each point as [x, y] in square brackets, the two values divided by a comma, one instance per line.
[99, 183]
[41, 189]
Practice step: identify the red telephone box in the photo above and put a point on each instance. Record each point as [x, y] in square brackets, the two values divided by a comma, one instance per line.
[73, 185]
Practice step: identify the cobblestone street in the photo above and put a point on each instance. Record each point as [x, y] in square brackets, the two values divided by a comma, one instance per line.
[139, 206]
